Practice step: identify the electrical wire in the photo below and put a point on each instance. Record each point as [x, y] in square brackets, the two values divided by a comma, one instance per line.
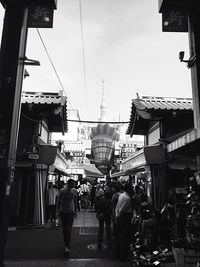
[84, 68]
[54, 68]
[83, 54]
[29, 118]
[110, 122]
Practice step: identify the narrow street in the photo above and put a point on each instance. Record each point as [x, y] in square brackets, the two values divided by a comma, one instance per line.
[129, 146]
[44, 246]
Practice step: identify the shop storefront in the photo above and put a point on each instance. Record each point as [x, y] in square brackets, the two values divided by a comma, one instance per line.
[30, 184]
[147, 168]
[87, 172]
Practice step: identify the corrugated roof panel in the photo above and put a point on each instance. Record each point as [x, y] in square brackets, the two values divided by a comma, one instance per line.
[163, 103]
[39, 98]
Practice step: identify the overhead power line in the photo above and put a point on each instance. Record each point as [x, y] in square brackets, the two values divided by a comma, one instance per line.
[109, 122]
[83, 53]
[54, 68]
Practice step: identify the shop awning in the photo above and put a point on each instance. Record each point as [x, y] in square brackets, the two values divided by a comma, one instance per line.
[50, 155]
[184, 140]
[148, 155]
[182, 162]
[91, 171]
[117, 174]
[124, 178]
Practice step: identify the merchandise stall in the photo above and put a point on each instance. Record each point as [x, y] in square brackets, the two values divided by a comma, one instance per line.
[186, 245]
[147, 168]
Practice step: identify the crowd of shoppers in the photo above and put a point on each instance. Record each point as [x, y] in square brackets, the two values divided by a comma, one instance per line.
[122, 211]
[125, 214]
[126, 210]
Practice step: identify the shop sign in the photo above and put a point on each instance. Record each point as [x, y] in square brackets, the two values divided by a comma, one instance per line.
[33, 152]
[40, 16]
[174, 20]
[137, 160]
[47, 154]
[76, 154]
[33, 156]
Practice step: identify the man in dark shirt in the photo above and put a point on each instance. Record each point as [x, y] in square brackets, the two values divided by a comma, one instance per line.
[104, 211]
[67, 207]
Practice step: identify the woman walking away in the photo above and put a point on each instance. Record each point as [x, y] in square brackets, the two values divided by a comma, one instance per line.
[67, 207]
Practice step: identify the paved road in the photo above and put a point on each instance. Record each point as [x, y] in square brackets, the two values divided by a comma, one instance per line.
[44, 247]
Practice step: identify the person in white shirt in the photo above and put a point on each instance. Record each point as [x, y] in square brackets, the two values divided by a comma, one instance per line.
[52, 194]
[84, 195]
[123, 213]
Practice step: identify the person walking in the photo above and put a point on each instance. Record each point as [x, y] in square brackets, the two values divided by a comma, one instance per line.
[115, 195]
[51, 198]
[92, 194]
[104, 211]
[123, 213]
[84, 195]
[67, 207]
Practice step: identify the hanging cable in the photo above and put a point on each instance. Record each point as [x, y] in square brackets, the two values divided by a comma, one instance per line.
[83, 53]
[110, 122]
[29, 118]
[61, 85]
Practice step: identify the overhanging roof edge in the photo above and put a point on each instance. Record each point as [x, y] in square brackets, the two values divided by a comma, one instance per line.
[184, 140]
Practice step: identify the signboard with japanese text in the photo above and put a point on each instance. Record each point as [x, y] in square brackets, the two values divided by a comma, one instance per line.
[33, 152]
[162, 4]
[174, 20]
[40, 17]
[33, 156]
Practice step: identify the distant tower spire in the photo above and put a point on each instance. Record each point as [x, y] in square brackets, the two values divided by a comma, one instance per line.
[102, 106]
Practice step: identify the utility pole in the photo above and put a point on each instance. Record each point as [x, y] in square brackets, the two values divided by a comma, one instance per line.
[194, 43]
[19, 15]
[11, 75]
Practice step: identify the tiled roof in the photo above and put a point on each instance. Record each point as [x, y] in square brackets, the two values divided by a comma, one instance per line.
[163, 103]
[42, 98]
[147, 108]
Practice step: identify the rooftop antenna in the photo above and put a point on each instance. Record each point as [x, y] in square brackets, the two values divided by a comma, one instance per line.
[102, 106]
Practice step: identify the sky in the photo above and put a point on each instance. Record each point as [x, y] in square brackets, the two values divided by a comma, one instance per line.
[123, 45]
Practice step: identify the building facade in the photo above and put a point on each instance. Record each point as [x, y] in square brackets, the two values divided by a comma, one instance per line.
[160, 120]
[41, 114]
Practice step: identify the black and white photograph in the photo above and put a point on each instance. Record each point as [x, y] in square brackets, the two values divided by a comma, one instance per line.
[99, 133]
